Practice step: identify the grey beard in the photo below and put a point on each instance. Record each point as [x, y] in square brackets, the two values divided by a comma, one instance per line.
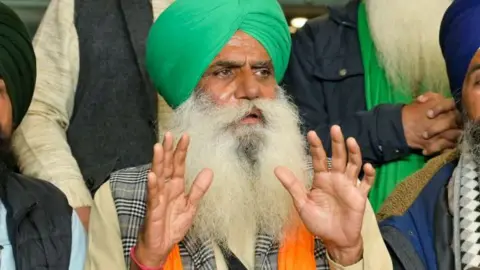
[471, 137]
[250, 139]
[249, 145]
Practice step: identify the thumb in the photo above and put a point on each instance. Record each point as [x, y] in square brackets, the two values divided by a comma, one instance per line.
[294, 186]
[200, 186]
[368, 178]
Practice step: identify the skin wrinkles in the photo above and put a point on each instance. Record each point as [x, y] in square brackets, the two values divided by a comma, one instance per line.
[243, 70]
[471, 89]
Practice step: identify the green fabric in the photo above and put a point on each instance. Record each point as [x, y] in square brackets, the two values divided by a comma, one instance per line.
[17, 62]
[189, 34]
[378, 90]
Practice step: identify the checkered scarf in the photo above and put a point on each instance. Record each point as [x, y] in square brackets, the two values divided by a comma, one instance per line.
[466, 197]
[129, 193]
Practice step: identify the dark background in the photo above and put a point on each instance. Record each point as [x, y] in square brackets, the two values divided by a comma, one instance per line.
[31, 11]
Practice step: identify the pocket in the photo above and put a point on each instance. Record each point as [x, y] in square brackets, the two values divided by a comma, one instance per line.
[96, 176]
[338, 68]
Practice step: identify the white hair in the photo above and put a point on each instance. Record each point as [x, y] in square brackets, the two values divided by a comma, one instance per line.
[245, 196]
[406, 36]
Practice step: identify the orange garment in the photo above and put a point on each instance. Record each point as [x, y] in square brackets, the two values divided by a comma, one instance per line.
[296, 252]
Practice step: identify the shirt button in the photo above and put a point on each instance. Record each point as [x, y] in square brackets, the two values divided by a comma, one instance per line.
[397, 151]
[380, 148]
[342, 72]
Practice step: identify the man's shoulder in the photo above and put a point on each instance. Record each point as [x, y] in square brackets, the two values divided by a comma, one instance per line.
[334, 18]
[38, 188]
[430, 179]
[24, 191]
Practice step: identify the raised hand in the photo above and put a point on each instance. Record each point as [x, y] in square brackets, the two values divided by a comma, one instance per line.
[334, 207]
[170, 211]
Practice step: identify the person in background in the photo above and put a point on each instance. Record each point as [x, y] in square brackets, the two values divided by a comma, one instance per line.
[374, 67]
[430, 221]
[246, 196]
[94, 110]
[38, 229]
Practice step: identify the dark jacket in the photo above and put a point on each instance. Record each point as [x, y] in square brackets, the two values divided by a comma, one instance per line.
[415, 222]
[38, 223]
[325, 78]
[113, 125]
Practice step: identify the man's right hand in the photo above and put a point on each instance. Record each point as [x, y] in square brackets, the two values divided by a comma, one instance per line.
[170, 211]
[431, 123]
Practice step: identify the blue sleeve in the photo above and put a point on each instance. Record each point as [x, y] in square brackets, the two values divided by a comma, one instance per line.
[79, 244]
[379, 131]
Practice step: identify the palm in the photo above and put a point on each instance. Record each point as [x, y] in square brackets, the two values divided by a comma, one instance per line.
[330, 203]
[170, 225]
[333, 208]
[170, 211]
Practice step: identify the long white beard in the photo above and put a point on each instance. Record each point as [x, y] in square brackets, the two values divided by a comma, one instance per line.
[245, 196]
[406, 35]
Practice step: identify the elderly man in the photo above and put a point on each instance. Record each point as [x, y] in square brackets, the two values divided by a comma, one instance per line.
[38, 229]
[431, 220]
[222, 206]
[362, 67]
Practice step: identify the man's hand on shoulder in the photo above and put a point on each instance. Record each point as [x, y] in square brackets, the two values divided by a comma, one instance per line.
[431, 123]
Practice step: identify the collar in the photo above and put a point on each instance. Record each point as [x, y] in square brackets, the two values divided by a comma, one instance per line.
[346, 15]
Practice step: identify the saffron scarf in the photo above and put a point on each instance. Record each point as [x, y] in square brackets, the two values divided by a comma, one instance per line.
[296, 252]
[378, 90]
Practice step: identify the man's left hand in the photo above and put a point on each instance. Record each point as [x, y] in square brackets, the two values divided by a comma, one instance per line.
[334, 207]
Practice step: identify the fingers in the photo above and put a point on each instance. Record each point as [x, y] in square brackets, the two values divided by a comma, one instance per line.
[437, 147]
[339, 154]
[354, 160]
[427, 97]
[168, 155]
[294, 186]
[176, 183]
[451, 135]
[153, 191]
[200, 186]
[158, 160]
[180, 156]
[443, 106]
[445, 140]
[319, 157]
[441, 123]
[368, 178]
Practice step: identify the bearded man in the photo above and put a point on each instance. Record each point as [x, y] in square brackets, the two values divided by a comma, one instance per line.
[363, 67]
[38, 229]
[219, 69]
[430, 221]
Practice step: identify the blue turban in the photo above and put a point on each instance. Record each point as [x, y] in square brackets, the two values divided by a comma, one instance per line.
[460, 40]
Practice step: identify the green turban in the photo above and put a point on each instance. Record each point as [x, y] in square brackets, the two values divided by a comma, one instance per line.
[189, 34]
[17, 62]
